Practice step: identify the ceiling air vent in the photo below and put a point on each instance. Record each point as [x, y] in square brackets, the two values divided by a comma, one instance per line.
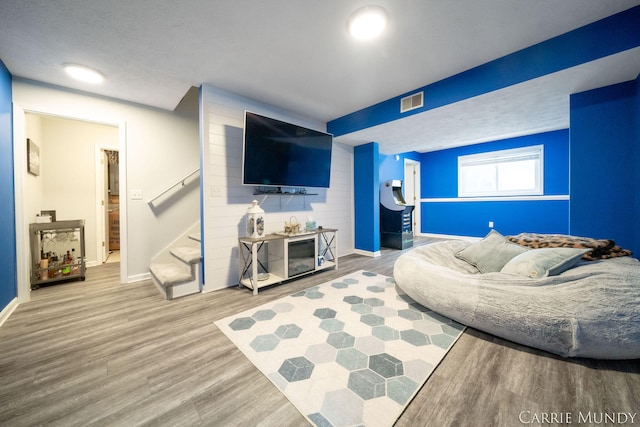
[412, 102]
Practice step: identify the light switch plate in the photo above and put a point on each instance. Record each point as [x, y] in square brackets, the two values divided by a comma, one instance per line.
[136, 194]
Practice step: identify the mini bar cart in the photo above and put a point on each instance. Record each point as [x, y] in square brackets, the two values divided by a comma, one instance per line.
[57, 252]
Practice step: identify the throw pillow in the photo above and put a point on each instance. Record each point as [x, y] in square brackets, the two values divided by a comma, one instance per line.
[538, 263]
[491, 253]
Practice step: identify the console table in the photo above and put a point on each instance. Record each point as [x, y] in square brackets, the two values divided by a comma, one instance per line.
[275, 258]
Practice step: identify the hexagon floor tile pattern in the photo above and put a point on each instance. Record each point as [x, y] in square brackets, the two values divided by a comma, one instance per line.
[357, 339]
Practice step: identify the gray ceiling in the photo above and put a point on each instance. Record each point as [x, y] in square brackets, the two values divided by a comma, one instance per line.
[298, 56]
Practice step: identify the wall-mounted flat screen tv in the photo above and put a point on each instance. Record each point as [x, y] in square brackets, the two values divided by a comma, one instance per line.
[282, 154]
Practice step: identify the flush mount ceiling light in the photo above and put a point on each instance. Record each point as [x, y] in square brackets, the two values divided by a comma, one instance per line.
[83, 73]
[367, 23]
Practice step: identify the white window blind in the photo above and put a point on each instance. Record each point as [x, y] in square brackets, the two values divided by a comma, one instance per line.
[514, 172]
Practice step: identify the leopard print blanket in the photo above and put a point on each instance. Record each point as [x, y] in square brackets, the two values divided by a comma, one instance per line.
[602, 248]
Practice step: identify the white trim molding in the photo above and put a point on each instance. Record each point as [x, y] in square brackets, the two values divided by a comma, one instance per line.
[496, 199]
[449, 237]
[367, 253]
[6, 312]
[138, 278]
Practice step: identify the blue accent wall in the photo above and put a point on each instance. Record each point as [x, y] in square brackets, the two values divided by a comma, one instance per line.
[390, 168]
[8, 279]
[509, 217]
[605, 164]
[600, 155]
[439, 180]
[611, 35]
[366, 172]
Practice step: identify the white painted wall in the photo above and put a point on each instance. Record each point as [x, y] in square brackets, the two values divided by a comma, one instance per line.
[68, 156]
[225, 199]
[33, 184]
[160, 147]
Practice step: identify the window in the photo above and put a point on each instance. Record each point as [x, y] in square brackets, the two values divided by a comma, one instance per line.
[515, 172]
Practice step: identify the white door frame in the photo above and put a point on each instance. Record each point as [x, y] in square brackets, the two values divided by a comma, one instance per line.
[23, 254]
[412, 168]
[102, 202]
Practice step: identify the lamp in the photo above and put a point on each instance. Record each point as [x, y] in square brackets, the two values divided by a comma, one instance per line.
[367, 23]
[84, 73]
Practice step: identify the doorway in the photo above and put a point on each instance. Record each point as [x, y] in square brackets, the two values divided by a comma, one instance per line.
[412, 191]
[109, 171]
[65, 183]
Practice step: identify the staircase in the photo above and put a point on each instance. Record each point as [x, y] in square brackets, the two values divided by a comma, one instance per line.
[177, 271]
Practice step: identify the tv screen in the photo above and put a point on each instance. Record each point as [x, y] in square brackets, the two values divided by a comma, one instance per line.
[282, 154]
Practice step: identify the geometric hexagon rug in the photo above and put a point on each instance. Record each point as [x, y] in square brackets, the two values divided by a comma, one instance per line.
[350, 352]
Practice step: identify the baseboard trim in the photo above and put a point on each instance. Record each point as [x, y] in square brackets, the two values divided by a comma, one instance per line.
[139, 277]
[6, 312]
[449, 236]
[93, 263]
[367, 253]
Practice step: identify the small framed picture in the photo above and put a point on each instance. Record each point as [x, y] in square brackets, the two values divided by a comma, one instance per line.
[33, 157]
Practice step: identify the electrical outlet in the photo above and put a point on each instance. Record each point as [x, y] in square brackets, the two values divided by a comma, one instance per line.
[216, 191]
[136, 194]
[490, 224]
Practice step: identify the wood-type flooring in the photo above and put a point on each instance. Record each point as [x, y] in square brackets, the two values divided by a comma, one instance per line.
[98, 353]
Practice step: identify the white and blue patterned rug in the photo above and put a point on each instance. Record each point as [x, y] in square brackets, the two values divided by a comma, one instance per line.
[350, 352]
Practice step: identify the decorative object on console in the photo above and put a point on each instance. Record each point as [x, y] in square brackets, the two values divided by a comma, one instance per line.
[50, 213]
[255, 220]
[41, 219]
[292, 226]
[310, 225]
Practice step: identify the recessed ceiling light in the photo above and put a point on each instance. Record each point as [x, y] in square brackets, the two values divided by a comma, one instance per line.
[83, 73]
[367, 23]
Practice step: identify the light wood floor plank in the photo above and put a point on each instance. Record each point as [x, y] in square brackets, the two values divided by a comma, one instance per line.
[104, 354]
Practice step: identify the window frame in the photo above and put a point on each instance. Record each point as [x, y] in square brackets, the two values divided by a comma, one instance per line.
[535, 152]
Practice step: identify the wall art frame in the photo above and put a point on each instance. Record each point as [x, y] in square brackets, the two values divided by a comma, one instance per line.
[33, 157]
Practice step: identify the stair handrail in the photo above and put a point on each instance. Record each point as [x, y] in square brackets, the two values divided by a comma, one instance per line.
[179, 182]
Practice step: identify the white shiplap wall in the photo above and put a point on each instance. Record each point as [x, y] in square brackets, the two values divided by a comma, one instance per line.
[225, 200]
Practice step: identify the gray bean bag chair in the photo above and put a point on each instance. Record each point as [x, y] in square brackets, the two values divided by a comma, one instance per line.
[590, 310]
